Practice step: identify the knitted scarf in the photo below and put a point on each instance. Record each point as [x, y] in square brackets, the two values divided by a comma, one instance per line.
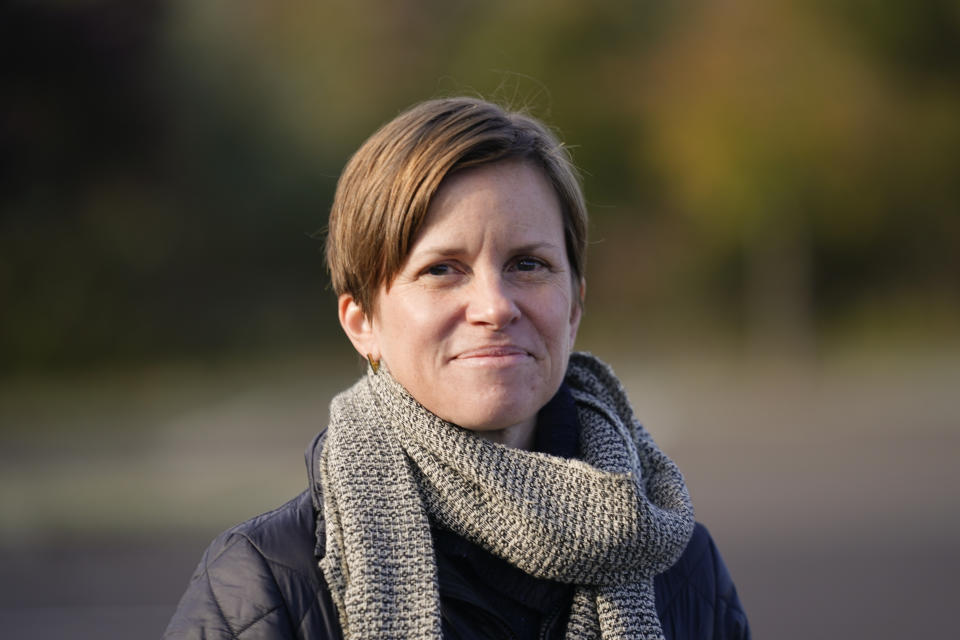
[607, 523]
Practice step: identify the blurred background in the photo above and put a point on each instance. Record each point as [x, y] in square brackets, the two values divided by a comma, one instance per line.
[774, 271]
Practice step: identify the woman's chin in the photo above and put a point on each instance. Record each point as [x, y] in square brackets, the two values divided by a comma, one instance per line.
[494, 413]
[486, 396]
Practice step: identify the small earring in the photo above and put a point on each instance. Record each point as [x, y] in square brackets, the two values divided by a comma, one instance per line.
[374, 364]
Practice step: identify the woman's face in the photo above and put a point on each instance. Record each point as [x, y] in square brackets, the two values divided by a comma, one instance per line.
[479, 323]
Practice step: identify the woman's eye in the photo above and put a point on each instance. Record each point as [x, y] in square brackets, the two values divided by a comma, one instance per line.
[529, 264]
[439, 270]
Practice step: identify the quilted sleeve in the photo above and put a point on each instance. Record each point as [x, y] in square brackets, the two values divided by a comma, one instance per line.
[696, 598]
[232, 594]
[731, 621]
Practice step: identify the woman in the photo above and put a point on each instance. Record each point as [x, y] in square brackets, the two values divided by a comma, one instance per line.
[481, 480]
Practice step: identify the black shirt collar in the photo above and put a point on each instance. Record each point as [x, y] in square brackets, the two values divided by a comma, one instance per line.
[558, 427]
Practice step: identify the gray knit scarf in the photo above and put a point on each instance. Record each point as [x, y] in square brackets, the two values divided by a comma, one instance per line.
[607, 523]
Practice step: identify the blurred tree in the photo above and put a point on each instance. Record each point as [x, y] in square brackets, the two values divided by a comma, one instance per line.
[163, 163]
[79, 116]
[782, 140]
[144, 211]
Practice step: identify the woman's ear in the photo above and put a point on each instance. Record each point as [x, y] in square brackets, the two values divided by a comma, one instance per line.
[357, 326]
[576, 312]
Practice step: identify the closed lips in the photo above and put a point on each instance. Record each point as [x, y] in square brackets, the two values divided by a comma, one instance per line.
[494, 352]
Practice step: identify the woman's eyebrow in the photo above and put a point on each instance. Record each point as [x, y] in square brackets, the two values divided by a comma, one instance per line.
[440, 250]
[535, 246]
[455, 250]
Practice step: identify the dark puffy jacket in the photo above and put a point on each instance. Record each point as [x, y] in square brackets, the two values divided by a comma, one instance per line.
[261, 580]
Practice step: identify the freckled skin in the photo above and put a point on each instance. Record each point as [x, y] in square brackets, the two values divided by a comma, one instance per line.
[479, 323]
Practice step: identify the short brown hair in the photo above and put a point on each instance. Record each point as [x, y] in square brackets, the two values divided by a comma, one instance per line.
[385, 189]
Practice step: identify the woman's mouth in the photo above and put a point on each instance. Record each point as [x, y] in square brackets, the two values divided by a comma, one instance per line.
[494, 355]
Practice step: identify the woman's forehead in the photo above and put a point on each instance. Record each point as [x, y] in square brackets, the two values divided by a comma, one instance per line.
[510, 194]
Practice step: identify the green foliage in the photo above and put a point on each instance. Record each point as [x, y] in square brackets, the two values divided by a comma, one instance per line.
[767, 166]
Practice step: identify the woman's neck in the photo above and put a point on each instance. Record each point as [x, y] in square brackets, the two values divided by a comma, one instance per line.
[518, 436]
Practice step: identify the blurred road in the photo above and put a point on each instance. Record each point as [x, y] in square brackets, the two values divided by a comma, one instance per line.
[831, 491]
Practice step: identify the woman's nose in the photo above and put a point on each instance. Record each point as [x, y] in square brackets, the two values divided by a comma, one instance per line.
[491, 302]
